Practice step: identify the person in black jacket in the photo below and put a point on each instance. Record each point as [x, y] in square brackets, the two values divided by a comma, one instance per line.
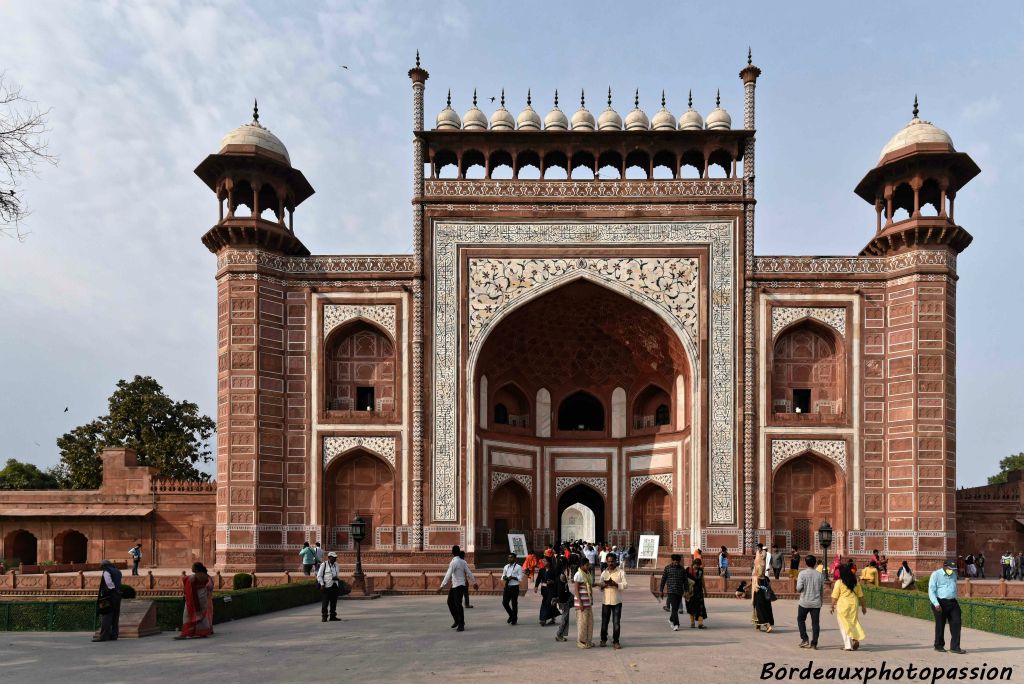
[108, 602]
[675, 577]
[563, 597]
[695, 605]
[546, 579]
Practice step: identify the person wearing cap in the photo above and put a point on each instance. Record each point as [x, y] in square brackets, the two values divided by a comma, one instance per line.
[613, 581]
[330, 587]
[942, 594]
[108, 602]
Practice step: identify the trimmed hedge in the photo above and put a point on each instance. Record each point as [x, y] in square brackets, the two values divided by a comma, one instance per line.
[990, 616]
[80, 615]
[241, 580]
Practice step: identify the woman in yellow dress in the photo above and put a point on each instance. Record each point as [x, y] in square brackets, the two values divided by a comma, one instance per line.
[847, 595]
[755, 577]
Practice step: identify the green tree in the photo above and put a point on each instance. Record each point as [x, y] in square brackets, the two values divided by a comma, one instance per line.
[1008, 464]
[172, 436]
[18, 475]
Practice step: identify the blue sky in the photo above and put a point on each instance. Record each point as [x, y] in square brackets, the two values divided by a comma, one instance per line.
[113, 280]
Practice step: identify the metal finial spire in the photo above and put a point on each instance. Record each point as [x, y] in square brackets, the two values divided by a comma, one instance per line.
[502, 98]
[609, 97]
[636, 99]
[583, 99]
[449, 98]
[915, 105]
[474, 97]
[662, 99]
[417, 59]
[255, 112]
[556, 98]
[689, 102]
[750, 58]
[718, 98]
[529, 98]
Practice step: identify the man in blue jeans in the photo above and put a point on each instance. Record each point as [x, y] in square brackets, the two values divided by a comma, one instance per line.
[942, 594]
[613, 581]
[809, 584]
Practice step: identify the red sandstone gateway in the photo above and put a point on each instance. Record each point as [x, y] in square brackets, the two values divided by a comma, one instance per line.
[583, 344]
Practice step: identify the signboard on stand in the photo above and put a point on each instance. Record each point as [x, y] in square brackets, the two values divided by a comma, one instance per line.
[517, 545]
[648, 549]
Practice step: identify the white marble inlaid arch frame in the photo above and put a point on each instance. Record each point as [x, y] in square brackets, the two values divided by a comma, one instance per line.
[784, 316]
[336, 447]
[383, 315]
[618, 497]
[718, 237]
[784, 450]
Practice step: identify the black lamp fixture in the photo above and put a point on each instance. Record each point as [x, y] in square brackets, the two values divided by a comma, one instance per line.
[825, 540]
[358, 527]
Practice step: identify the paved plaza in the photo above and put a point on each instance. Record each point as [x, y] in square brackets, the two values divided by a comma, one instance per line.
[408, 638]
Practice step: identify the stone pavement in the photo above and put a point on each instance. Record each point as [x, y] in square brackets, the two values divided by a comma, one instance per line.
[408, 638]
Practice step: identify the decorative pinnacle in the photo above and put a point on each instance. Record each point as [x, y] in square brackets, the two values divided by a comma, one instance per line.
[502, 98]
[718, 98]
[662, 99]
[449, 98]
[417, 59]
[583, 99]
[915, 105]
[750, 58]
[609, 97]
[529, 98]
[556, 98]
[636, 99]
[474, 97]
[689, 102]
[256, 112]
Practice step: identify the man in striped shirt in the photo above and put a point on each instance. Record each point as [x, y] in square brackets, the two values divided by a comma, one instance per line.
[459, 575]
[583, 588]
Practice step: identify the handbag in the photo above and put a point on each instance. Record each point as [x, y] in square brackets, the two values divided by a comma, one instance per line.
[344, 588]
[771, 593]
[104, 605]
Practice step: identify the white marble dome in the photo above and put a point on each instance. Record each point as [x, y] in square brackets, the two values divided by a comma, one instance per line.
[448, 118]
[917, 131]
[718, 119]
[637, 119]
[691, 120]
[502, 119]
[474, 119]
[663, 120]
[609, 119]
[556, 120]
[255, 134]
[583, 120]
[528, 119]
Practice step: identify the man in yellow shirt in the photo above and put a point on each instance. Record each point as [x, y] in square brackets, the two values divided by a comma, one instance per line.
[613, 581]
[869, 575]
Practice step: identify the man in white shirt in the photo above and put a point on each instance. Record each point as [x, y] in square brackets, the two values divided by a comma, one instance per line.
[591, 553]
[459, 575]
[327, 578]
[511, 575]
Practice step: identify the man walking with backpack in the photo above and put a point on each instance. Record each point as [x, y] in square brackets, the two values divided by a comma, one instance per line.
[330, 588]
[136, 553]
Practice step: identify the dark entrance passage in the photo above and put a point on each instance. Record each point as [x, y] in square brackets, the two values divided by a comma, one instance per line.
[22, 545]
[582, 494]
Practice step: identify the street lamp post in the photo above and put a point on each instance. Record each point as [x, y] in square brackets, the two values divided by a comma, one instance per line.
[358, 534]
[825, 540]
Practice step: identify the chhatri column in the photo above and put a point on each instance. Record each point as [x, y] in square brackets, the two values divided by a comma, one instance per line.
[419, 78]
[749, 76]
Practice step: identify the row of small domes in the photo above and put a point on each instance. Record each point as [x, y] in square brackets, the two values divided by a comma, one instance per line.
[583, 120]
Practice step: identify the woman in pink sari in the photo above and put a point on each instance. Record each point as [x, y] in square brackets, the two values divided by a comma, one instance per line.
[835, 567]
[197, 620]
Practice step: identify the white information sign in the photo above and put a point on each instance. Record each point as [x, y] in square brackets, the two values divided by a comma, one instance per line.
[648, 547]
